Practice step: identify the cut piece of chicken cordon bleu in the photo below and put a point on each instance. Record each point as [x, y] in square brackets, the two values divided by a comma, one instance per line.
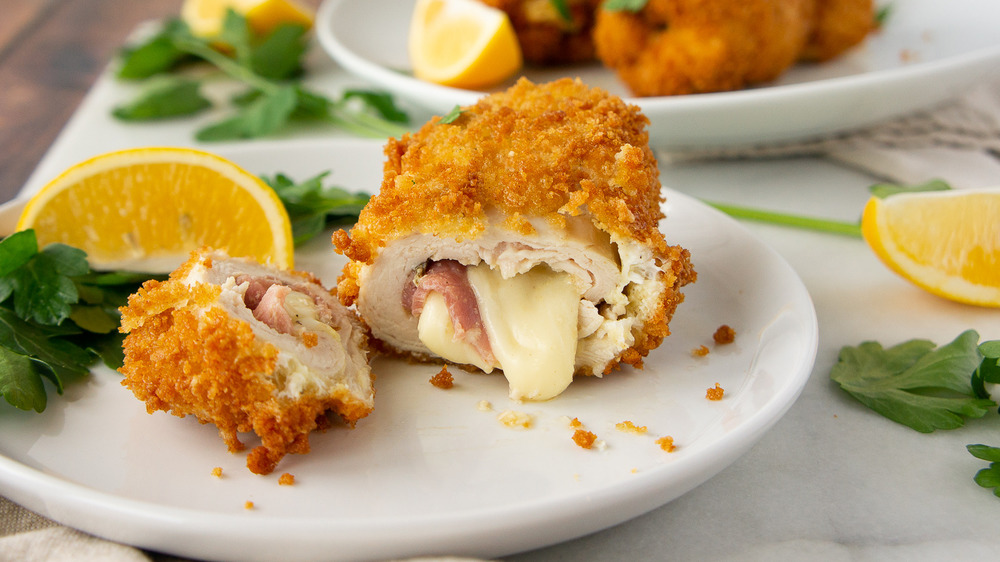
[247, 347]
[522, 236]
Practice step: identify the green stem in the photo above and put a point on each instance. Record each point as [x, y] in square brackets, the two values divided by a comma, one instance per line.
[785, 219]
[227, 65]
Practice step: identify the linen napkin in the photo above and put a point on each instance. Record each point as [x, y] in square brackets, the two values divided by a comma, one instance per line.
[957, 141]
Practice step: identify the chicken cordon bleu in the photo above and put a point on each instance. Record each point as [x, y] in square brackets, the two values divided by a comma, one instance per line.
[523, 236]
[247, 347]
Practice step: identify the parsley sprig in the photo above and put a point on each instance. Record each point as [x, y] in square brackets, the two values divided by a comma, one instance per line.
[926, 387]
[268, 67]
[57, 317]
[313, 206]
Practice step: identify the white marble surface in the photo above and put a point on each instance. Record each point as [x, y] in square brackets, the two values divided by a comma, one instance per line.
[832, 480]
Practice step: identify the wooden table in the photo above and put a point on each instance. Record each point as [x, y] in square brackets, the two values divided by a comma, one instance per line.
[51, 52]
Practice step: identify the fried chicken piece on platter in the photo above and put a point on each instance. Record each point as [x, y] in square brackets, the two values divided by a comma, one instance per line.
[248, 348]
[548, 37]
[675, 47]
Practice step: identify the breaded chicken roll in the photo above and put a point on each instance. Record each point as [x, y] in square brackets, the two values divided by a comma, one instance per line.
[248, 348]
[522, 236]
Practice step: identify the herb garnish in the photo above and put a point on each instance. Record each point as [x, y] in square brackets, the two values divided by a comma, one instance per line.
[312, 207]
[451, 116]
[927, 389]
[624, 5]
[57, 317]
[268, 66]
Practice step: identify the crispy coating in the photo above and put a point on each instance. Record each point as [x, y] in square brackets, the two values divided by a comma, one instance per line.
[674, 47]
[552, 150]
[545, 36]
[838, 26]
[185, 354]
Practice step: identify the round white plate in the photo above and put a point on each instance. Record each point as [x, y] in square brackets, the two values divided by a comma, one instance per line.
[429, 472]
[928, 51]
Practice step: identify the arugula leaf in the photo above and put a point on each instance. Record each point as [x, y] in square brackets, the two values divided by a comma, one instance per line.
[624, 5]
[381, 102]
[914, 384]
[261, 117]
[164, 97]
[312, 207]
[279, 56]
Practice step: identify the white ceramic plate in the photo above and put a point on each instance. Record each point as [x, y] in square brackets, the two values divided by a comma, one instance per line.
[928, 51]
[428, 472]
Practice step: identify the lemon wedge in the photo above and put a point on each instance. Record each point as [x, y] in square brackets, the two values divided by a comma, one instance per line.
[462, 43]
[205, 17]
[146, 209]
[947, 242]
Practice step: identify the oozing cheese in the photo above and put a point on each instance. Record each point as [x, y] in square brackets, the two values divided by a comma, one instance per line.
[531, 321]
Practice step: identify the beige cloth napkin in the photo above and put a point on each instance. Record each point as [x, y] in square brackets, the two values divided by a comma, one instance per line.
[957, 141]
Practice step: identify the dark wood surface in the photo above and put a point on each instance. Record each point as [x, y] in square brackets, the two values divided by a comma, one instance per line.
[51, 52]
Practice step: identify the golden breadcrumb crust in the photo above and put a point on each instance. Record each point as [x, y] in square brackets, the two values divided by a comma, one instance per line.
[185, 354]
[543, 33]
[675, 47]
[551, 150]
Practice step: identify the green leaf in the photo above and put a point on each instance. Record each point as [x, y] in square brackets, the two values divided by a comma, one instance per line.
[883, 190]
[263, 116]
[988, 370]
[451, 116]
[381, 102]
[157, 55]
[312, 206]
[279, 56]
[95, 319]
[237, 34]
[624, 5]
[913, 383]
[28, 339]
[562, 8]
[20, 383]
[109, 349]
[16, 250]
[985, 452]
[164, 97]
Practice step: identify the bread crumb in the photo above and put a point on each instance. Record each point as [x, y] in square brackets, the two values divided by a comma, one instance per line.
[484, 406]
[286, 479]
[724, 335]
[600, 444]
[575, 422]
[628, 427]
[515, 419]
[248, 505]
[666, 443]
[584, 438]
[310, 339]
[443, 379]
[217, 472]
[715, 393]
[700, 351]
[635, 471]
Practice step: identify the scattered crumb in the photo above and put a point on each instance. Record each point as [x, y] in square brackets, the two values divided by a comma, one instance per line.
[515, 419]
[484, 406]
[286, 479]
[584, 438]
[724, 335]
[248, 505]
[575, 422]
[628, 427]
[907, 55]
[443, 379]
[700, 351]
[635, 471]
[666, 443]
[715, 393]
[310, 339]
[217, 472]
[600, 445]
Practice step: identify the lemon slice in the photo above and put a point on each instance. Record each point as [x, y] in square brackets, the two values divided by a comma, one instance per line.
[146, 209]
[462, 43]
[205, 17]
[947, 242]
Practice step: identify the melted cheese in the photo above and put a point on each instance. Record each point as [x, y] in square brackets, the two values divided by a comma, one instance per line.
[531, 320]
[438, 333]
